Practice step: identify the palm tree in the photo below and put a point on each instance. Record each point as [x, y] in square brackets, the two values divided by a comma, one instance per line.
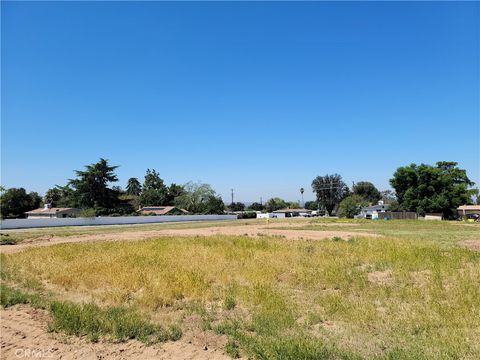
[302, 190]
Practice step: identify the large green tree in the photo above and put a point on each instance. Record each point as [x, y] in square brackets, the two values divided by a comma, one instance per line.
[173, 192]
[200, 198]
[91, 187]
[60, 196]
[15, 202]
[274, 204]
[256, 206]
[330, 190]
[53, 196]
[154, 192]
[432, 189]
[236, 206]
[311, 205]
[134, 187]
[368, 191]
[351, 206]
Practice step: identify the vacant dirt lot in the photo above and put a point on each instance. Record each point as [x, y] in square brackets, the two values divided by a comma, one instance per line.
[262, 290]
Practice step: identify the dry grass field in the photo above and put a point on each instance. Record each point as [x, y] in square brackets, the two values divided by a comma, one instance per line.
[286, 289]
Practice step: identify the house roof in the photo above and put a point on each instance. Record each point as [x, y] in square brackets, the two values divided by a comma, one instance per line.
[160, 210]
[50, 211]
[291, 210]
[469, 207]
[376, 207]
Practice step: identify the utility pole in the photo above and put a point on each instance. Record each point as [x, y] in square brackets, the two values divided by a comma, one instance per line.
[261, 201]
[232, 195]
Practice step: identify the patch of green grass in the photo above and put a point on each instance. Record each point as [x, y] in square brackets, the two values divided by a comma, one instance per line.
[10, 296]
[293, 348]
[232, 349]
[227, 327]
[7, 239]
[115, 323]
[118, 323]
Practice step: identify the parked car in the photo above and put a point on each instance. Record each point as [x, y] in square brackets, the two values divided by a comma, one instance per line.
[474, 217]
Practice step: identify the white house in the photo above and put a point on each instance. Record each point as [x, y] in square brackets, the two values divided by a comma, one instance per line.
[270, 215]
[371, 212]
[293, 212]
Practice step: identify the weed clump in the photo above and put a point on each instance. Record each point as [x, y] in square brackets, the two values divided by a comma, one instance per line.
[118, 323]
[6, 239]
[10, 297]
[232, 349]
[230, 302]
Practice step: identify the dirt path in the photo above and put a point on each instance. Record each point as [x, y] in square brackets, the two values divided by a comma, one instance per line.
[291, 231]
[24, 335]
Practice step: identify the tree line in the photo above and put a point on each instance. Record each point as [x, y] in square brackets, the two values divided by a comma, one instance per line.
[92, 191]
[418, 188]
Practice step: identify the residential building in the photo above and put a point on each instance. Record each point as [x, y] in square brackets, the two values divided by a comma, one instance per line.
[469, 212]
[294, 212]
[270, 215]
[49, 212]
[161, 210]
[371, 212]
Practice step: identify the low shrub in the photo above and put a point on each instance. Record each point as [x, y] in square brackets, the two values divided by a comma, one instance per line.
[247, 215]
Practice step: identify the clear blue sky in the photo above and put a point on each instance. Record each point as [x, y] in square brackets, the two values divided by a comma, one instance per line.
[259, 97]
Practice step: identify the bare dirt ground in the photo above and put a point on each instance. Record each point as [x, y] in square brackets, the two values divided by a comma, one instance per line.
[290, 231]
[471, 244]
[24, 335]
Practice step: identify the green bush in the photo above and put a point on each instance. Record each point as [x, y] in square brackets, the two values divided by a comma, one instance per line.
[247, 215]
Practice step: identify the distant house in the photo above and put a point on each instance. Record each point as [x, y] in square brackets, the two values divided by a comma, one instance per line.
[161, 210]
[293, 212]
[433, 216]
[270, 215]
[469, 211]
[371, 212]
[49, 212]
